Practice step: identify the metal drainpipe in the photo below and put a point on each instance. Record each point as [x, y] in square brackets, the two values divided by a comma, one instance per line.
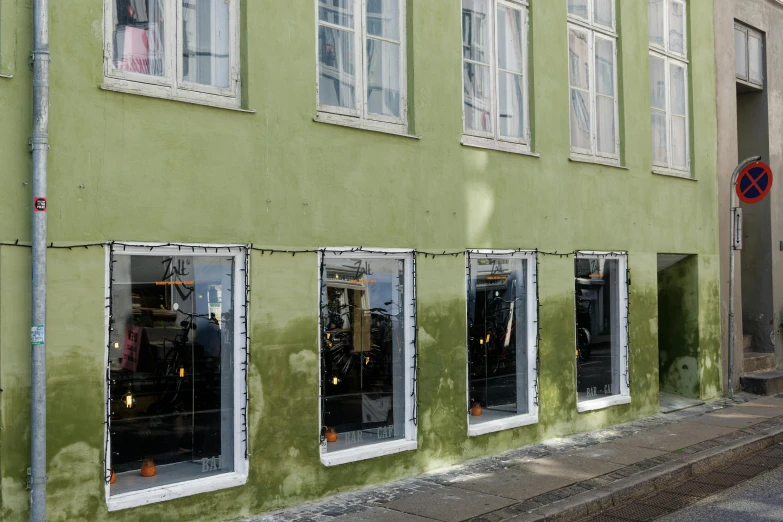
[40, 148]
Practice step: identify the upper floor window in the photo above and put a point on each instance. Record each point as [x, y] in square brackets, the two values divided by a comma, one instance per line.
[749, 56]
[494, 70]
[186, 49]
[592, 65]
[361, 61]
[669, 85]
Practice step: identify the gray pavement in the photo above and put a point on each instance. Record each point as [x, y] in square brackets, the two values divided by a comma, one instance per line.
[759, 499]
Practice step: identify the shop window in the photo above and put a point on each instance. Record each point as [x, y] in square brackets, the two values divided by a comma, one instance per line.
[494, 72]
[185, 49]
[362, 62]
[749, 55]
[592, 65]
[601, 297]
[501, 341]
[176, 344]
[669, 86]
[367, 363]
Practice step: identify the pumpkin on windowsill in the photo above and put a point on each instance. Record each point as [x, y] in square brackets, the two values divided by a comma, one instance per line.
[331, 435]
[113, 477]
[148, 468]
[476, 410]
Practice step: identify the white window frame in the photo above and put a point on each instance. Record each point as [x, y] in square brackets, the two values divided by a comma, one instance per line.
[493, 140]
[172, 86]
[681, 60]
[624, 397]
[593, 30]
[531, 417]
[749, 33]
[187, 488]
[410, 442]
[360, 117]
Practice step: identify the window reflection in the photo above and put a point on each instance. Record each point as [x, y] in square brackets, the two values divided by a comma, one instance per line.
[139, 37]
[363, 351]
[497, 338]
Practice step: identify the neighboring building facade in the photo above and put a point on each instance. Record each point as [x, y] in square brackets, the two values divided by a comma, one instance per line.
[749, 107]
[537, 220]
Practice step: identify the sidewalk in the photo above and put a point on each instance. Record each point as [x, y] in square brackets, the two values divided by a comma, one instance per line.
[567, 478]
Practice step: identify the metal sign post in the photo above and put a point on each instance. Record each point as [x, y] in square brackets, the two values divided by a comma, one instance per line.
[755, 182]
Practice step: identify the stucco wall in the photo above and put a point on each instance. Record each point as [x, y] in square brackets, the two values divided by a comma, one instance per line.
[156, 170]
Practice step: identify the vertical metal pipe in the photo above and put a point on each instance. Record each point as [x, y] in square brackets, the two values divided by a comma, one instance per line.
[732, 225]
[40, 147]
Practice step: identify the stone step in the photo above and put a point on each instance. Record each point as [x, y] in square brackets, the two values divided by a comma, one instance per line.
[757, 362]
[747, 342]
[763, 383]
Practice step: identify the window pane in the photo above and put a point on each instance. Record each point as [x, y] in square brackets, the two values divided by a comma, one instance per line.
[655, 21]
[679, 140]
[475, 30]
[578, 59]
[497, 338]
[658, 83]
[676, 27]
[510, 39]
[363, 351]
[336, 71]
[604, 121]
[205, 42]
[604, 66]
[383, 18]
[383, 78]
[511, 104]
[478, 104]
[740, 54]
[337, 12]
[139, 37]
[755, 60]
[578, 8]
[580, 120]
[171, 390]
[602, 12]
[597, 328]
[677, 80]
[659, 140]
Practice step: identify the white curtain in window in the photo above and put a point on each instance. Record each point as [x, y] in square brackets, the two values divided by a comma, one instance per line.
[205, 42]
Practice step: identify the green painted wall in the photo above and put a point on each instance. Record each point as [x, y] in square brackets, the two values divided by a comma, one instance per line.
[678, 327]
[156, 170]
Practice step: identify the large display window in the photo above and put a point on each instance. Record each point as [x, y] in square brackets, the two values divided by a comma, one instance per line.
[176, 341]
[601, 298]
[501, 341]
[367, 363]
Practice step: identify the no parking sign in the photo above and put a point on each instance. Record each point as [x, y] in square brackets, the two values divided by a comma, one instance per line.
[754, 182]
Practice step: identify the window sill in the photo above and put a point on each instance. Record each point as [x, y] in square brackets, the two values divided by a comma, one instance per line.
[358, 123]
[367, 452]
[673, 174]
[516, 421]
[155, 91]
[6, 76]
[501, 146]
[174, 491]
[599, 404]
[597, 161]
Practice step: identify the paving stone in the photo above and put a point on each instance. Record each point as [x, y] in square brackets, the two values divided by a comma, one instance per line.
[761, 410]
[617, 453]
[570, 467]
[517, 484]
[731, 419]
[377, 514]
[450, 504]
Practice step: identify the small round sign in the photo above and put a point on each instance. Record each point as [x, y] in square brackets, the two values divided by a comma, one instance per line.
[754, 182]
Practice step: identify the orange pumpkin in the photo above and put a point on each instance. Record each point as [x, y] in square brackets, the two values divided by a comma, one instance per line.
[476, 410]
[148, 468]
[331, 435]
[113, 477]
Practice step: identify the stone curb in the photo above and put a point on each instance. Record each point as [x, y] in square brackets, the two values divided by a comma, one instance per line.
[660, 477]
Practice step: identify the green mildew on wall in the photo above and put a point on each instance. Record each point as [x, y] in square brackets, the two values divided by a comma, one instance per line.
[678, 327]
[156, 170]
